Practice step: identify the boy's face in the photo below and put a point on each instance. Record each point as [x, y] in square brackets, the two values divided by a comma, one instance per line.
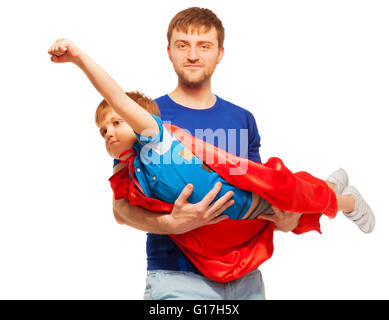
[194, 55]
[118, 135]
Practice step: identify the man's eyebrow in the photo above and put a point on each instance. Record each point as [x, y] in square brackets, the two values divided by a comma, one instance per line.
[208, 43]
[180, 40]
[200, 41]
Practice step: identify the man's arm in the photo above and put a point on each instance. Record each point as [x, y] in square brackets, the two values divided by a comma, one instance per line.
[184, 217]
[137, 117]
[140, 218]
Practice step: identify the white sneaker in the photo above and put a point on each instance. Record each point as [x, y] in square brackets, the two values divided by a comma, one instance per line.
[362, 215]
[340, 179]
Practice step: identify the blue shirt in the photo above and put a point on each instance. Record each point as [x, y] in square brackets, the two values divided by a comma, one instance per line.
[164, 166]
[240, 138]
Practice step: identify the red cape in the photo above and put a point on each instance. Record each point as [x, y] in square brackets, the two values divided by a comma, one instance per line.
[228, 250]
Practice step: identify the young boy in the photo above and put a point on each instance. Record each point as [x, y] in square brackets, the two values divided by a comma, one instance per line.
[163, 165]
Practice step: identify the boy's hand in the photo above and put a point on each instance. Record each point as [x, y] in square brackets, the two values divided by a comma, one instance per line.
[63, 50]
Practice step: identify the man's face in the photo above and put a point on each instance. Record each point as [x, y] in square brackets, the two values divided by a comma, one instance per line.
[194, 55]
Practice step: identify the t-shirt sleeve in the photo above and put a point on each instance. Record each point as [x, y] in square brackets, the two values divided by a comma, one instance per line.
[144, 139]
[254, 140]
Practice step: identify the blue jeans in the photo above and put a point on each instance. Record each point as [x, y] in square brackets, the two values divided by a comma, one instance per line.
[184, 285]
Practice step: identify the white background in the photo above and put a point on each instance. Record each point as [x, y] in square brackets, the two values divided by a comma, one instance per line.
[314, 73]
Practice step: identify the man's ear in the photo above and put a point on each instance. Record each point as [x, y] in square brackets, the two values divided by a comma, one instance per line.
[221, 54]
[169, 53]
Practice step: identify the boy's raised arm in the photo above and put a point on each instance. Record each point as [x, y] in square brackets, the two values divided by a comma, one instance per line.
[139, 119]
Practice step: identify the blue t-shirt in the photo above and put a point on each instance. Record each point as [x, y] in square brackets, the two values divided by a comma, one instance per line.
[234, 130]
[164, 166]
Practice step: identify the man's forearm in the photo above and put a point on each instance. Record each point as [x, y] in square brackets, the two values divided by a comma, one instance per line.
[185, 216]
[140, 218]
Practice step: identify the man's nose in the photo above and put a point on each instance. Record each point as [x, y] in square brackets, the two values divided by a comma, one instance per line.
[193, 54]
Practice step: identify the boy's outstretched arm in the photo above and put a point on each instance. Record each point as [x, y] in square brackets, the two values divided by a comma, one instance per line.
[139, 119]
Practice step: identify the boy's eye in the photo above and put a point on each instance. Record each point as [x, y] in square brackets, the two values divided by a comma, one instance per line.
[116, 122]
[103, 133]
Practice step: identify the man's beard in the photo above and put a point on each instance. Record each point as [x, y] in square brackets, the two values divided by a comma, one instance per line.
[193, 83]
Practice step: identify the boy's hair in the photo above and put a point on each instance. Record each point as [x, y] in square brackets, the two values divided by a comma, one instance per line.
[145, 102]
[196, 18]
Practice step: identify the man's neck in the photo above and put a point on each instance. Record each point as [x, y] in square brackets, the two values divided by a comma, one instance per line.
[193, 97]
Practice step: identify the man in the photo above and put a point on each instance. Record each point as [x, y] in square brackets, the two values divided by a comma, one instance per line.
[195, 47]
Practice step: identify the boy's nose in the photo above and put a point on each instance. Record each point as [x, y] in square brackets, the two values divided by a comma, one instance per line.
[109, 133]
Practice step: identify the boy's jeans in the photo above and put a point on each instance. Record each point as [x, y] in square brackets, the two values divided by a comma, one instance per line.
[183, 285]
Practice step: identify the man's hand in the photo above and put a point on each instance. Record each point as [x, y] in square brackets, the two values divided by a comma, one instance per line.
[184, 217]
[63, 50]
[187, 216]
[284, 220]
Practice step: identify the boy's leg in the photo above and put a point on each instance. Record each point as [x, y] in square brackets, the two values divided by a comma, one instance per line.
[346, 203]
[357, 210]
[338, 180]
[350, 201]
[263, 207]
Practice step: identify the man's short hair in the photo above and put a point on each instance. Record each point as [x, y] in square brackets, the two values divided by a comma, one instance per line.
[196, 18]
[145, 102]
